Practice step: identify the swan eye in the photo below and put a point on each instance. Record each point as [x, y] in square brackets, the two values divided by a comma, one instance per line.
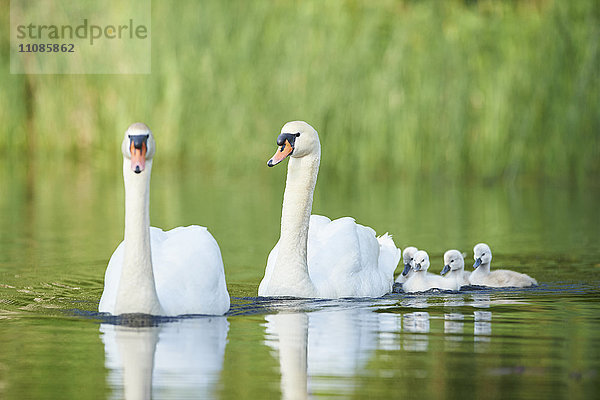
[297, 134]
[483, 254]
[451, 261]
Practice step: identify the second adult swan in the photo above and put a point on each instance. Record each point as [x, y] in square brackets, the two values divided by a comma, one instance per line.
[317, 257]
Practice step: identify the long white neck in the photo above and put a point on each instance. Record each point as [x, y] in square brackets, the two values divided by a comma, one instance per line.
[137, 291]
[421, 274]
[455, 274]
[483, 269]
[291, 269]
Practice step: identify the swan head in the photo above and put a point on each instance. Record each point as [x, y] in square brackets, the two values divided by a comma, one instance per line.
[408, 259]
[421, 260]
[297, 139]
[138, 146]
[453, 260]
[482, 254]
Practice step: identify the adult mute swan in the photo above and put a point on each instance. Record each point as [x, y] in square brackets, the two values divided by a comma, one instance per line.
[154, 272]
[408, 261]
[482, 276]
[454, 268]
[317, 257]
[421, 280]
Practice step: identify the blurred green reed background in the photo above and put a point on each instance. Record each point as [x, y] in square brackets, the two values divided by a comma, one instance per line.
[486, 90]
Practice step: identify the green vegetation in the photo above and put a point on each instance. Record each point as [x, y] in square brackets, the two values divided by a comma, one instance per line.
[485, 90]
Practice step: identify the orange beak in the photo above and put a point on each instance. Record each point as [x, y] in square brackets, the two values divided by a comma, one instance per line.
[281, 154]
[138, 157]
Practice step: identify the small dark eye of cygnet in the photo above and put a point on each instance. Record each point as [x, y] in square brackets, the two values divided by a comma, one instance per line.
[298, 134]
[451, 261]
[483, 254]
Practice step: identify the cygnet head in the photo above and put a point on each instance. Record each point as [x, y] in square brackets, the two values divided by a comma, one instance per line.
[297, 139]
[421, 260]
[453, 260]
[408, 259]
[482, 254]
[138, 146]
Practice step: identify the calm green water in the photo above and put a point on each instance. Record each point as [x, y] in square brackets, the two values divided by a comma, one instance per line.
[60, 223]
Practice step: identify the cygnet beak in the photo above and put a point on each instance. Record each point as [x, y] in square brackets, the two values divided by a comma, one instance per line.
[445, 270]
[406, 269]
[417, 267]
[477, 262]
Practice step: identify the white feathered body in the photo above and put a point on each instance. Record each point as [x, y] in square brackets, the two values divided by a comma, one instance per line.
[464, 278]
[345, 259]
[459, 277]
[403, 278]
[188, 273]
[422, 281]
[482, 276]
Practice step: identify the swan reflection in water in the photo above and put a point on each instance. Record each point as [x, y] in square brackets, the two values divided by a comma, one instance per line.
[178, 359]
[322, 351]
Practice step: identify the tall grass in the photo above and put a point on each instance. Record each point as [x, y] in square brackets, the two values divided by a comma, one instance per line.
[397, 89]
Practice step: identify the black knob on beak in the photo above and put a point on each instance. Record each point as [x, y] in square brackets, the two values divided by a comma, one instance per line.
[138, 140]
[290, 137]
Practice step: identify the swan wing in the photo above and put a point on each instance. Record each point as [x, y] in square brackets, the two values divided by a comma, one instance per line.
[112, 276]
[264, 283]
[188, 270]
[389, 254]
[345, 259]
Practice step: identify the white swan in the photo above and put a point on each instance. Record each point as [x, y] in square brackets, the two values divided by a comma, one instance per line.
[482, 276]
[421, 280]
[407, 259]
[154, 272]
[317, 257]
[454, 268]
